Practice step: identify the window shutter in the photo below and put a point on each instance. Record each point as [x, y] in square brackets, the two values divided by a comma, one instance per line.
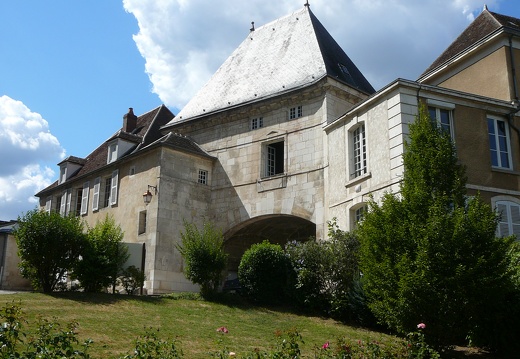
[48, 204]
[69, 200]
[63, 203]
[503, 226]
[95, 199]
[84, 198]
[515, 219]
[113, 188]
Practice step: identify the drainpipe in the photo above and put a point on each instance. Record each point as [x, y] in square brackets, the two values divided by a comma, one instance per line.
[513, 68]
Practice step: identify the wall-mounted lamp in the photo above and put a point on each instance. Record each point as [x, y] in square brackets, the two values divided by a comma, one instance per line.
[147, 196]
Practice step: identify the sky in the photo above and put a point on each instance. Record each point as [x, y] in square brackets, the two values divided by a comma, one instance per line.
[69, 70]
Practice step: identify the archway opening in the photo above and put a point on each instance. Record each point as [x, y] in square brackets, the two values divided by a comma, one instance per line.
[279, 229]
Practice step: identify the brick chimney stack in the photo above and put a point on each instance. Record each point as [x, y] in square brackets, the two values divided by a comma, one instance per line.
[129, 121]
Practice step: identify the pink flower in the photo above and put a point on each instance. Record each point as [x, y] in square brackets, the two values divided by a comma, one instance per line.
[421, 326]
[325, 346]
[223, 330]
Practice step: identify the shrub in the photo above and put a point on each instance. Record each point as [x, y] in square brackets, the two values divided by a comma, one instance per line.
[204, 256]
[265, 272]
[132, 279]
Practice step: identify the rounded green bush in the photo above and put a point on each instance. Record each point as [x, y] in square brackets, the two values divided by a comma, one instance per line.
[264, 273]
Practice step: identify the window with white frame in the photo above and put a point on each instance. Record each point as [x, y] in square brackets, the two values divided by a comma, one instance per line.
[79, 196]
[359, 152]
[509, 218]
[356, 214]
[65, 202]
[112, 152]
[203, 177]
[273, 158]
[499, 143]
[114, 187]
[63, 174]
[295, 112]
[443, 117]
[106, 191]
[257, 123]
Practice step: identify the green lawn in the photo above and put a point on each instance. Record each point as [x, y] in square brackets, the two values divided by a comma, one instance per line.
[113, 322]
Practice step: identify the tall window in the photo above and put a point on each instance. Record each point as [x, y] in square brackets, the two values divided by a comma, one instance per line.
[443, 118]
[79, 196]
[295, 112]
[142, 222]
[359, 151]
[509, 218]
[96, 191]
[84, 198]
[106, 198]
[274, 159]
[499, 143]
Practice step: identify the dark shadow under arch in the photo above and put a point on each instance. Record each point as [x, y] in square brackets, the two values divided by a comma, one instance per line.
[278, 229]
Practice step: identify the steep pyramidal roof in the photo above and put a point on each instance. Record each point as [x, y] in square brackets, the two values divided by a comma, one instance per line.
[289, 53]
[483, 26]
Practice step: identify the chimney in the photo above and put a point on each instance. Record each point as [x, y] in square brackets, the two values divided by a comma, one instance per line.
[129, 121]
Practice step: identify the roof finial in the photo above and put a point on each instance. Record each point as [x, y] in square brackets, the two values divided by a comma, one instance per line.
[485, 7]
[252, 26]
[307, 3]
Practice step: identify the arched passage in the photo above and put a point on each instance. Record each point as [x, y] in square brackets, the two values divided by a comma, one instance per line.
[278, 229]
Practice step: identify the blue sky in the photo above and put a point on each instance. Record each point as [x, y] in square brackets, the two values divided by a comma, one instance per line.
[69, 70]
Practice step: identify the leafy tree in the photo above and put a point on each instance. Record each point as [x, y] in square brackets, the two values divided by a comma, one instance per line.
[430, 254]
[132, 278]
[204, 256]
[48, 246]
[102, 256]
[265, 273]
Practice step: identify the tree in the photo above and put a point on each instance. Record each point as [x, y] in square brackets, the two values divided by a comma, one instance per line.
[204, 256]
[102, 256]
[48, 246]
[430, 254]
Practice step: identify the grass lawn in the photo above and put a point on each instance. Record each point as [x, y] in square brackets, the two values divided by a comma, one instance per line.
[113, 322]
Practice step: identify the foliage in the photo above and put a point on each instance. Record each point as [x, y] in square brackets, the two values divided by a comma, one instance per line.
[265, 273]
[204, 256]
[150, 346]
[48, 245]
[102, 256]
[326, 272]
[49, 341]
[131, 279]
[431, 254]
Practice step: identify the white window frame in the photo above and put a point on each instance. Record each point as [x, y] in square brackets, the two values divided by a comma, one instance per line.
[112, 152]
[256, 123]
[203, 177]
[95, 197]
[494, 139]
[295, 112]
[359, 157]
[84, 198]
[509, 222]
[440, 107]
[114, 187]
[63, 174]
[270, 158]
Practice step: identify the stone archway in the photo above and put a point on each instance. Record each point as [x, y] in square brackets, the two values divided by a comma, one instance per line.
[278, 229]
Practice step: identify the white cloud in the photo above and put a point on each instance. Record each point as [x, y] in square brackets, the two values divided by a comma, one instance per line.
[26, 144]
[184, 42]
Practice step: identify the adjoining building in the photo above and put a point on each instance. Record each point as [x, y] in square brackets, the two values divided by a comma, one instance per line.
[288, 134]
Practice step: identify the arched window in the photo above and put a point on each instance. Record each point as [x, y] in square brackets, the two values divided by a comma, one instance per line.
[509, 218]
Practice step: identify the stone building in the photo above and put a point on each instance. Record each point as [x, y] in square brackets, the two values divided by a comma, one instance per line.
[288, 134]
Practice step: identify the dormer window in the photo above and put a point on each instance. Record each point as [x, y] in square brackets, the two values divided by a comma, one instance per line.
[112, 152]
[63, 173]
[69, 167]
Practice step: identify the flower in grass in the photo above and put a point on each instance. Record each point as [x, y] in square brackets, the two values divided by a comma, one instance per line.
[421, 326]
[232, 354]
[325, 346]
[223, 330]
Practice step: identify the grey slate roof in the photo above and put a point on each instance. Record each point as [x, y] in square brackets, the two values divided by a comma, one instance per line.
[483, 26]
[292, 52]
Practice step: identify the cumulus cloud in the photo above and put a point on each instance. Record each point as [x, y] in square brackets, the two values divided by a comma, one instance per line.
[26, 145]
[184, 42]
